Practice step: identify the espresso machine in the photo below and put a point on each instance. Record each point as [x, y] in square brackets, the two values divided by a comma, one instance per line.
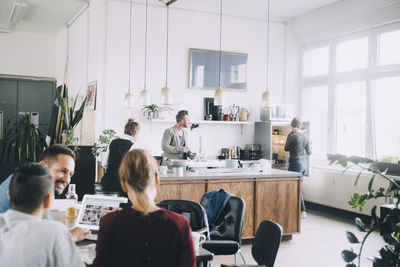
[252, 152]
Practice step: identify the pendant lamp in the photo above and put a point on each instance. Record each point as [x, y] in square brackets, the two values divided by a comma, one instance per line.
[144, 94]
[166, 98]
[128, 99]
[266, 96]
[219, 98]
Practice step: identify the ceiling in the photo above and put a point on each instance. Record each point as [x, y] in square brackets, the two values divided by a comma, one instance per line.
[49, 16]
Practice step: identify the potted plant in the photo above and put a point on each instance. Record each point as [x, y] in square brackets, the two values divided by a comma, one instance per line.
[28, 140]
[155, 111]
[70, 117]
[388, 226]
[103, 141]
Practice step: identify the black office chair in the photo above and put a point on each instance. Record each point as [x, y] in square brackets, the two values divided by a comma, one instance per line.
[226, 231]
[193, 211]
[265, 245]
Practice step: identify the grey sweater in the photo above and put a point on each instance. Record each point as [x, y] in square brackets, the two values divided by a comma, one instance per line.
[26, 240]
[170, 143]
[298, 145]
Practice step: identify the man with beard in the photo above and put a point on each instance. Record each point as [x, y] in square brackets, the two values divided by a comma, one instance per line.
[60, 161]
[175, 139]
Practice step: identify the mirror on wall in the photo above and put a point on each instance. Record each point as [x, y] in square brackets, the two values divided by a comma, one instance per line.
[204, 68]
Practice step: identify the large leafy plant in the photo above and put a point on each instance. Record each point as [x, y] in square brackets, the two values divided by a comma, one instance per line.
[104, 140]
[388, 226]
[29, 141]
[69, 116]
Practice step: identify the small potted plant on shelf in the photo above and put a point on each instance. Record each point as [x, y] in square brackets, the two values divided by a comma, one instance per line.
[155, 111]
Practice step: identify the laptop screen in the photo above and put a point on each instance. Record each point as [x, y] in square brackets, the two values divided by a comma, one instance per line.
[94, 207]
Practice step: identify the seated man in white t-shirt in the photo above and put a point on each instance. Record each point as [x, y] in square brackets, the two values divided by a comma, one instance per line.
[25, 238]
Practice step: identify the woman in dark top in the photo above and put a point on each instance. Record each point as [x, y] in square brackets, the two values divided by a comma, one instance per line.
[143, 234]
[299, 145]
[113, 157]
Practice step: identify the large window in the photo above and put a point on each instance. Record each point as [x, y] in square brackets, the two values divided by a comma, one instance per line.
[315, 100]
[351, 118]
[351, 93]
[386, 97]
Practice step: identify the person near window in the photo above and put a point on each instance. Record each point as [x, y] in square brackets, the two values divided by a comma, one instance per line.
[114, 154]
[143, 234]
[299, 145]
[175, 139]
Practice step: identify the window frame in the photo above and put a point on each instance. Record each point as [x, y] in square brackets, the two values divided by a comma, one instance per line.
[334, 78]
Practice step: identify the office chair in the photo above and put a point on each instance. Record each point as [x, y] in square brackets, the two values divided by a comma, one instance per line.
[226, 231]
[265, 245]
[193, 211]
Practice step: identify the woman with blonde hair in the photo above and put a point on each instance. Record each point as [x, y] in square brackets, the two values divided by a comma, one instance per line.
[143, 234]
[114, 154]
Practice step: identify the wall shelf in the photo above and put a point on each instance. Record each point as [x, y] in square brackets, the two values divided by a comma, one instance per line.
[208, 122]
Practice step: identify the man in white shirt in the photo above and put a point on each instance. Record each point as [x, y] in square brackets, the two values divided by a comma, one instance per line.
[25, 238]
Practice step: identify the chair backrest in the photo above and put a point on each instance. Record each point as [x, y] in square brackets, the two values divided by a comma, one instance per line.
[229, 223]
[266, 243]
[193, 211]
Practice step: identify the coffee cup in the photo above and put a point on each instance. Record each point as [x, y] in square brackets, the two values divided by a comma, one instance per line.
[163, 169]
[198, 239]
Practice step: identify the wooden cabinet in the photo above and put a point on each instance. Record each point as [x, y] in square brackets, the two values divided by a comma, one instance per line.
[243, 189]
[181, 190]
[278, 200]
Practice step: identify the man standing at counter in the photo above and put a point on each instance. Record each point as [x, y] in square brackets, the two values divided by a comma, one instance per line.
[175, 139]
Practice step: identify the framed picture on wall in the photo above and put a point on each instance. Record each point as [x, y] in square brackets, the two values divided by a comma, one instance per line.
[91, 96]
[204, 70]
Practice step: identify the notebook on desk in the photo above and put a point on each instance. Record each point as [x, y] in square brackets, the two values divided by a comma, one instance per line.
[93, 208]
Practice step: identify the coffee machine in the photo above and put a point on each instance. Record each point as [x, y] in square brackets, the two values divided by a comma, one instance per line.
[252, 152]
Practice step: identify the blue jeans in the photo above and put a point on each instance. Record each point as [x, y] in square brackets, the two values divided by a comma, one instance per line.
[299, 165]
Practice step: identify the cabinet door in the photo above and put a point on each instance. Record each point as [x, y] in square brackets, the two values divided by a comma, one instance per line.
[244, 190]
[279, 201]
[37, 96]
[181, 190]
[8, 111]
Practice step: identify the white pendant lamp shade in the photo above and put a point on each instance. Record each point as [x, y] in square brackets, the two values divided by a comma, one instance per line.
[145, 97]
[166, 96]
[128, 100]
[219, 99]
[266, 99]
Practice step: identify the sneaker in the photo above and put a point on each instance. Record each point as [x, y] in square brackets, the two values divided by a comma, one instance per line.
[303, 214]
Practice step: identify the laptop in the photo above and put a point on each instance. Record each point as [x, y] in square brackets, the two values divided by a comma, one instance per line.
[93, 208]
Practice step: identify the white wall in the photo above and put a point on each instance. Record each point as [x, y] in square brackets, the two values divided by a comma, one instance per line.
[188, 29]
[27, 54]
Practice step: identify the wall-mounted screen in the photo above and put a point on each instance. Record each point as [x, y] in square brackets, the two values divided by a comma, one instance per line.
[204, 69]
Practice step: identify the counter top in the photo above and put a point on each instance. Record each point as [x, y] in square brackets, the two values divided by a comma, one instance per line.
[216, 174]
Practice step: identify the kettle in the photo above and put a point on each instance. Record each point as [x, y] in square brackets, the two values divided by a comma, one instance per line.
[244, 114]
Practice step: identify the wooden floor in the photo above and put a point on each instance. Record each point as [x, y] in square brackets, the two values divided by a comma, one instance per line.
[322, 239]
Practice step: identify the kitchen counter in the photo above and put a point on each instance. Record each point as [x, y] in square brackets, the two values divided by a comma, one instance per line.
[224, 173]
[272, 195]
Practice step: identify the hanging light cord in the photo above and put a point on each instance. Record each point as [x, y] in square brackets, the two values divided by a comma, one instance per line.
[130, 43]
[145, 48]
[267, 44]
[166, 60]
[220, 45]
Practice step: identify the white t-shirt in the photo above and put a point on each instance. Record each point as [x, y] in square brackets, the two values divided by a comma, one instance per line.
[26, 240]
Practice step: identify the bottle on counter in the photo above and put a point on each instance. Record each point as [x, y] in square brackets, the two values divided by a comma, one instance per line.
[71, 212]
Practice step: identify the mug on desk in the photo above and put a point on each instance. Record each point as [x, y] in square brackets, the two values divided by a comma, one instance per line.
[198, 238]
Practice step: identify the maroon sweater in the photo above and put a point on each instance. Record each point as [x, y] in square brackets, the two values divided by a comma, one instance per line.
[129, 238]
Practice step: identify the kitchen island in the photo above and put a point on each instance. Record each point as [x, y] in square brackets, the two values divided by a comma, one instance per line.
[273, 195]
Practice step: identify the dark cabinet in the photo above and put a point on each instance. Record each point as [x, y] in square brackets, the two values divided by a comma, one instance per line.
[84, 176]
